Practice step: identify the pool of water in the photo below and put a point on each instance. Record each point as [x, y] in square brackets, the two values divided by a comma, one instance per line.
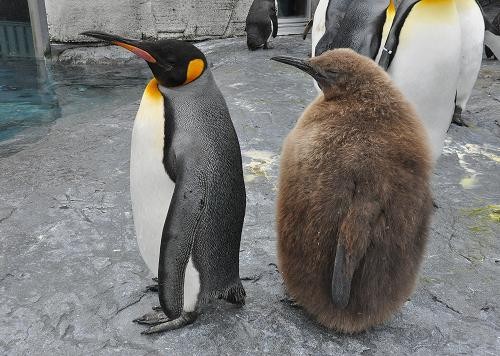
[33, 94]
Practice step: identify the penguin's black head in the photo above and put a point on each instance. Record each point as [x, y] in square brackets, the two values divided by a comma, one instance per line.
[173, 63]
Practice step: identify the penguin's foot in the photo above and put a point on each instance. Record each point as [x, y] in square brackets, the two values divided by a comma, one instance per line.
[152, 318]
[153, 287]
[186, 318]
[457, 118]
[268, 46]
[289, 301]
[235, 295]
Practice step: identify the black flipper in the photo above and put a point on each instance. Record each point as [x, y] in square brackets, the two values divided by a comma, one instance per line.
[186, 208]
[274, 19]
[353, 241]
[391, 44]
[355, 24]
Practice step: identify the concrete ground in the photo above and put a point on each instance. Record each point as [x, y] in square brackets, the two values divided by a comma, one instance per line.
[72, 279]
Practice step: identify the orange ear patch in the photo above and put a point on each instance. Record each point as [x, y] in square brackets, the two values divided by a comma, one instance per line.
[140, 52]
[195, 68]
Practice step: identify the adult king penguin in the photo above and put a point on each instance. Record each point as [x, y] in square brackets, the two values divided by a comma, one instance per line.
[432, 50]
[186, 182]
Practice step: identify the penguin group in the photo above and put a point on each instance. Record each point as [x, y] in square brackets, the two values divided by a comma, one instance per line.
[431, 49]
[354, 201]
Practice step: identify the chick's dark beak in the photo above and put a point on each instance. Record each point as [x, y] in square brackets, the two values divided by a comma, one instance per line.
[302, 64]
[133, 46]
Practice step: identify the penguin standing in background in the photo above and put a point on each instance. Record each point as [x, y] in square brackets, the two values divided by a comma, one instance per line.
[492, 37]
[261, 23]
[186, 183]
[354, 199]
[431, 49]
[433, 52]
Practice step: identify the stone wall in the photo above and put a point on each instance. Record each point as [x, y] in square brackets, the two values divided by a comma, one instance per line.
[187, 19]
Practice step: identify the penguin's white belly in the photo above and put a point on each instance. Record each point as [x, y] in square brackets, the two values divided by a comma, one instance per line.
[151, 188]
[472, 27]
[319, 24]
[426, 66]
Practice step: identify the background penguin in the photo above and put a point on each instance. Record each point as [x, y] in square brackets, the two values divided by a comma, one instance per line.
[187, 188]
[355, 24]
[354, 200]
[261, 23]
[492, 37]
[432, 50]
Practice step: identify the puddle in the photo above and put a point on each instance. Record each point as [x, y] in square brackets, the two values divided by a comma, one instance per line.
[34, 94]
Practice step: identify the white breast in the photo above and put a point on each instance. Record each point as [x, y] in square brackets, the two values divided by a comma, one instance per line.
[426, 65]
[319, 24]
[151, 189]
[472, 26]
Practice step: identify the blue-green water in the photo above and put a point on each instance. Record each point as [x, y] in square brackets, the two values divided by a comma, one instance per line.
[33, 94]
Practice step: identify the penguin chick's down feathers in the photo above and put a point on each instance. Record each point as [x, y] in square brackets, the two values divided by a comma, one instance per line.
[354, 200]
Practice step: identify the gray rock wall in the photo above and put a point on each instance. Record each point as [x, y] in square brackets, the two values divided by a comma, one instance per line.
[187, 19]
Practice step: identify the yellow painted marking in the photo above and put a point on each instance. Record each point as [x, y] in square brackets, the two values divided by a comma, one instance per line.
[140, 52]
[195, 68]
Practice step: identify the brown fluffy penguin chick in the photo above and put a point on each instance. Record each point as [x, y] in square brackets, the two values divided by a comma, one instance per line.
[354, 201]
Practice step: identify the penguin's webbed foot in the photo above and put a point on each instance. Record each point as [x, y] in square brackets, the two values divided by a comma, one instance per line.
[457, 118]
[184, 319]
[235, 295]
[153, 287]
[268, 46]
[153, 318]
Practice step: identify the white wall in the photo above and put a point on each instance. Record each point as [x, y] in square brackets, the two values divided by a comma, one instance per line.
[187, 19]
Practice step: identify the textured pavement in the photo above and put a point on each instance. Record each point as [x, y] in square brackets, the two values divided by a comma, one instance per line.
[72, 279]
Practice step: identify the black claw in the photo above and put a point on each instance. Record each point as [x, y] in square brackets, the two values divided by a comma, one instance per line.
[152, 288]
[290, 302]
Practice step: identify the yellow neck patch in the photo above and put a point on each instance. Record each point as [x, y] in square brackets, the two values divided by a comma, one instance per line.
[391, 9]
[152, 92]
[195, 68]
